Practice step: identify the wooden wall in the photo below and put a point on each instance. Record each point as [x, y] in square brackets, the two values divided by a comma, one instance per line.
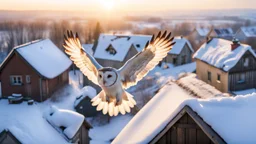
[248, 71]
[17, 66]
[185, 131]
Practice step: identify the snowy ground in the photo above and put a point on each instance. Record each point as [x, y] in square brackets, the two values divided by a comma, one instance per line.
[106, 133]
[245, 92]
[65, 97]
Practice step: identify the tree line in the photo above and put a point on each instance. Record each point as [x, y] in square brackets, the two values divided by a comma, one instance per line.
[14, 33]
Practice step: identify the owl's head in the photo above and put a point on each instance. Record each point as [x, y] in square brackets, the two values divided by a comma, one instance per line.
[107, 77]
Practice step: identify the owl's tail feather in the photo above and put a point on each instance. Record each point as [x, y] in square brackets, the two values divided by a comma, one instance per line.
[111, 106]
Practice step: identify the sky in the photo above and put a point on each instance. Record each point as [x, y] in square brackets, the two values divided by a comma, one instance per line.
[124, 5]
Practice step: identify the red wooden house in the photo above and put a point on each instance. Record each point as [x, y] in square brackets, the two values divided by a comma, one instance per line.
[35, 70]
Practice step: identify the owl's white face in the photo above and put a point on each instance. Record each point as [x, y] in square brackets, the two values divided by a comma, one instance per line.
[107, 78]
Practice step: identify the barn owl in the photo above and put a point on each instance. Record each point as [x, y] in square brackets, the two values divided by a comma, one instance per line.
[113, 98]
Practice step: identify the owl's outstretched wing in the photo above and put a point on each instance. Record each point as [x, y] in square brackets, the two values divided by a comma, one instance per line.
[84, 61]
[138, 66]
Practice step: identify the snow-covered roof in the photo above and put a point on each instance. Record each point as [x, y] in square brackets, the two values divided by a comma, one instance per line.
[224, 32]
[122, 44]
[45, 57]
[154, 116]
[27, 124]
[218, 53]
[85, 91]
[70, 120]
[249, 31]
[88, 48]
[179, 45]
[231, 117]
[203, 31]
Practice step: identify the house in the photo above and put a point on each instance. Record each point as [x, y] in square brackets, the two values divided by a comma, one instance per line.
[29, 124]
[181, 53]
[244, 33]
[247, 35]
[83, 103]
[172, 116]
[225, 33]
[227, 65]
[35, 70]
[115, 50]
[198, 36]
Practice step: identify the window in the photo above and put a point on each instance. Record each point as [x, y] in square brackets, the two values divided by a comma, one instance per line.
[16, 80]
[218, 77]
[174, 60]
[209, 76]
[183, 59]
[111, 50]
[246, 62]
[28, 79]
[241, 78]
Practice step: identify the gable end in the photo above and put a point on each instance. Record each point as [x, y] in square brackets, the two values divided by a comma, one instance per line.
[211, 134]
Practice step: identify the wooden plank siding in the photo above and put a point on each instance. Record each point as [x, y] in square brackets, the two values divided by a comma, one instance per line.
[240, 69]
[185, 131]
[187, 128]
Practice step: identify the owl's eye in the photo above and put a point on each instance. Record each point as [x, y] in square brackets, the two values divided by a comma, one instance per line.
[100, 76]
[109, 76]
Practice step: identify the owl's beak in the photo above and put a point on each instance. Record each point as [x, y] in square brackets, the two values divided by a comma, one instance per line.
[104, 82]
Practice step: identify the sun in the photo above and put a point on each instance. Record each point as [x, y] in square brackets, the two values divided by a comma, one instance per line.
[108, 4]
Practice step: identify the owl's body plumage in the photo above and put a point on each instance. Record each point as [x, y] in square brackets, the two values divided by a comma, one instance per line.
[114, 98]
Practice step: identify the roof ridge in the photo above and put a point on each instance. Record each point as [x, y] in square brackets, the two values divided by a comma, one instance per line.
[29, 43]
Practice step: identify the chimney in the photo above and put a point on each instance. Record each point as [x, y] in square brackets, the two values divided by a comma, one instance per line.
[235, 44]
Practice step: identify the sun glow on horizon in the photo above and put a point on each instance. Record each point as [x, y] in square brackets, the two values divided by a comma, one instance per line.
[108, 4]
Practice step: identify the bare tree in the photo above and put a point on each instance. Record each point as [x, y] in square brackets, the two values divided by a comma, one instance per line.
[57, 30]
[36, 30]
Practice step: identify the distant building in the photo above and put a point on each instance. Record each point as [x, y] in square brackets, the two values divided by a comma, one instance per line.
[247, 35]
[113, 50]
[181, 53]
[198, 36]
[225, 33]
[244, 33]
[27, 124]
[35, 70]
[228, 66]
